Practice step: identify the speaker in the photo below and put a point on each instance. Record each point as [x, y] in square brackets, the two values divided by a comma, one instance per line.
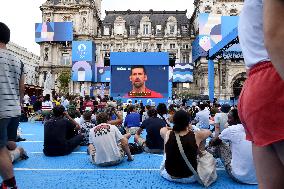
[172, 60]
[172, 63]
[106, 61]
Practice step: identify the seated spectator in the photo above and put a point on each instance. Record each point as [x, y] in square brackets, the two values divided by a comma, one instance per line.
[237, 157]
[145, 113]
[173, 167]
[153, 143]
[46, 107]
[163, 113]
[202, 117]
[85, 127]
[88, 104]
[59, 136]
[37, 105]
[221, 118]
[107, 146]
[132, 120]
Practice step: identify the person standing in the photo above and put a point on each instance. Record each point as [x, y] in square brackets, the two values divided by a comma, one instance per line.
[261, 34]
[11, 93]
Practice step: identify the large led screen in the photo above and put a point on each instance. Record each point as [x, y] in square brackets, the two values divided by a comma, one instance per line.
[53, 31]
[138, 81]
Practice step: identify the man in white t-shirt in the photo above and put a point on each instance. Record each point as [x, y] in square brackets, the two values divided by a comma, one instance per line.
[236, 157]
[107, 145]
[221, 118]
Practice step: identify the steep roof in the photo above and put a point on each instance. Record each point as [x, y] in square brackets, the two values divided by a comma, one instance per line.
[156, 17]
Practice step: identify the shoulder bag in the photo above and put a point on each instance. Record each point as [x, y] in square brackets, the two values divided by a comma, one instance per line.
[206, 166]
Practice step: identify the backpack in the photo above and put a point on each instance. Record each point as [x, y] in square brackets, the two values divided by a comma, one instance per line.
[135, 149]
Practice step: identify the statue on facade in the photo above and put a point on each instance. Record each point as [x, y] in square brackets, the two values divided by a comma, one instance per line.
[48, 83]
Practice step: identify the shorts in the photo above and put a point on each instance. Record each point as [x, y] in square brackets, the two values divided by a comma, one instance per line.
[168, 177]
[261, 105]
[109, 163]
[142, 142]
[8, 130]
[132, 130]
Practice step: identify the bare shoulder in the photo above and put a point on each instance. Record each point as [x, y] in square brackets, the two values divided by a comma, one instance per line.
[202, 134]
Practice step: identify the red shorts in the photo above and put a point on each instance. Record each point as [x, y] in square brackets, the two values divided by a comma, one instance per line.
[261, 105]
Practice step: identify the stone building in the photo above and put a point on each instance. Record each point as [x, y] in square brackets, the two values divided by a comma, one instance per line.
[56, 56]
[139, 31]
[229, 74]
[31, 67]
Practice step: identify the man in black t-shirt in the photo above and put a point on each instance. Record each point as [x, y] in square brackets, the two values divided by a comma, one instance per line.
[60, 134]
[153, 143]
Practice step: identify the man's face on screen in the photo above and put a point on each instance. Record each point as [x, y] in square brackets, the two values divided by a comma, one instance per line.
[138, 77]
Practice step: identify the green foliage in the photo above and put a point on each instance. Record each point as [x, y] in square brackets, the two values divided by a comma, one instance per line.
[64, 80]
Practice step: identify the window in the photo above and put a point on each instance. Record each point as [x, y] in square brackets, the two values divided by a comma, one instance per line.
[119, 29]
[66, 18]
[46, 51]
[172, 29]
[119, 46]
[172, 46]
[145, 29]
[106, 47]
[106, 30]
[145, 46]
[185, 58]
[158, 29]
[132, 30]
[65, 59]
[185, 46]
[159, 46]
[184, 29]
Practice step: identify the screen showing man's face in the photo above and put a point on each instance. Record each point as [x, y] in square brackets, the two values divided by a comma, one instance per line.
[138, 77]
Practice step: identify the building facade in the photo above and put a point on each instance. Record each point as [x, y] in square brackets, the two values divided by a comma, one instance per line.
[139, 31]
[56, 57]
[31, 67]
[229, 74]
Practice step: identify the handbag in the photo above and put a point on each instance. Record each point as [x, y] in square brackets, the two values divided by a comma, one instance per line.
[206, 166]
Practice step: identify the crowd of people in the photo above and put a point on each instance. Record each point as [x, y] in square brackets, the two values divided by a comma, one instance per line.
[105, 126]
[246, 139]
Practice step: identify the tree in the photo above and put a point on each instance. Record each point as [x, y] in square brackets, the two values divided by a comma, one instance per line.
[64, 80]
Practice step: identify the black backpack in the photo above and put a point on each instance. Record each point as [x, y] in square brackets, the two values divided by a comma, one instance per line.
[135, 149]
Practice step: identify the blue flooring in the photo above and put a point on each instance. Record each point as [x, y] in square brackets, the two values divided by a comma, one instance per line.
[75, 171]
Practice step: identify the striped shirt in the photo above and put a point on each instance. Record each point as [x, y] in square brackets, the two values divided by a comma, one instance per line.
[11, 70]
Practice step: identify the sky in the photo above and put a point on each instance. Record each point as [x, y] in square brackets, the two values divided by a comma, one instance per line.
[21, 15]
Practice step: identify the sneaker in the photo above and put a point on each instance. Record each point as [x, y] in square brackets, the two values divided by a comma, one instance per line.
[20, 139]
[4, 186]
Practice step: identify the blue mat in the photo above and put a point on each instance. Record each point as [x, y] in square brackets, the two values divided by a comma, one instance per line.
[75, 171]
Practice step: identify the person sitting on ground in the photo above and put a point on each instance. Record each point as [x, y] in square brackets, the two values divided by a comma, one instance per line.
[132, 120]
[163, 113]
[88, 104]
[221, 119]
[37, 105]
[153, 143]
[107, 146]
[145, 113]
[60, 137]
[202, 117]
[237, 157]
[85, 127]
[46, 107]
[173, 167]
